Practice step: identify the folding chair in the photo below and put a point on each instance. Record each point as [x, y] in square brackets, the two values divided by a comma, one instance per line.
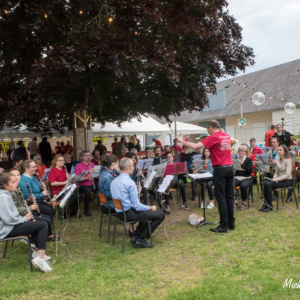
[118, 205]
[287, 188]
[25, 238]
[102, 201]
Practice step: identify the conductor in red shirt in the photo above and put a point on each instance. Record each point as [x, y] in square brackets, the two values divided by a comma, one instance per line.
[269, 135]
[219, 144]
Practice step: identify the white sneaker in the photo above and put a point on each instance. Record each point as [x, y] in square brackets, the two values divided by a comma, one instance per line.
[210, 205]
[36, 254]
[202, 204]
[42, 264]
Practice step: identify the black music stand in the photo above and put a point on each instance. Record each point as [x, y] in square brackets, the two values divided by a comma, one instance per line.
[262, 169]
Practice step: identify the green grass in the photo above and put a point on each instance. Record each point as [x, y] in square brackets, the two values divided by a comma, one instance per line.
[251, 262]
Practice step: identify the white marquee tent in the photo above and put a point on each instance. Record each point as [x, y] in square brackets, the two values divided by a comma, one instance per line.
[186, 128]
[147, 126]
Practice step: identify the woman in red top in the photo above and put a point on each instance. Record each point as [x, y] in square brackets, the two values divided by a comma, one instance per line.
[58, 179]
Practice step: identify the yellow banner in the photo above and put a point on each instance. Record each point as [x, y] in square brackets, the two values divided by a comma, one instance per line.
[5, 145]
[96, 139]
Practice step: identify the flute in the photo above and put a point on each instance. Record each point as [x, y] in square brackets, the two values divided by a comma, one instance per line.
[24, 201]
[33, 198]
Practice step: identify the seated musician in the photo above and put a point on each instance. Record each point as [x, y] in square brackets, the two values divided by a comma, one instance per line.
[207, 169]
[243, 178]
[282, 178]
[96, 157]
[125, 190]
[254, 149]
[40, 167]
[68, 162]
[137, 177]
[110, 169]
[175, 184]
[167, 148]
[19, 203]
[38, 191]
[12, 224]
[157, 156]
[58, 178]
[85, 186]
[148, 153]
[283, 135]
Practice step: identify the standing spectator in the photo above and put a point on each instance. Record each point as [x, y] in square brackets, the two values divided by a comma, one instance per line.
[254, 149]
[176, 149]
[20, 151]
[122, 146]
[33, 147]
[63, 148]
[57, 148]
[45, 151]
[187, 138]
[114, 146]
[269, 135]
[101, 147]
[157, 143]
[69, 148]
[133, 143]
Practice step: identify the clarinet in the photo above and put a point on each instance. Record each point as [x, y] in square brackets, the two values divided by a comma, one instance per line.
[67, 173]
[94, 188]
[24, 202]
[33, 198]
[48, 199]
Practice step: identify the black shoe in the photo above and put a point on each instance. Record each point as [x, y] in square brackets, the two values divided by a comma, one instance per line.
[130, 233]
[231, 227]
[289, 199]
[267, 209]
[219, 229]
[263, 207]
[193, 198]
[53, 239]
[87, 213]
[133, 239]
[141, 243]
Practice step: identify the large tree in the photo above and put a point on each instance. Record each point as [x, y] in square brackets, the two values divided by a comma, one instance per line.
[114, 58]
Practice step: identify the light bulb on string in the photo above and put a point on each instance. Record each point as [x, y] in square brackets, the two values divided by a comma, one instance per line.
[290, 108]
[45, 16]
[258, 98]
[110, 20]
[81, 12]
[6, 11]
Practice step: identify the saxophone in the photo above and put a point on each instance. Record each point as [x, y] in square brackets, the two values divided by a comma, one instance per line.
[271, 165]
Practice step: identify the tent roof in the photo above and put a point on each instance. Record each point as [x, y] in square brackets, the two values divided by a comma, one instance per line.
[186, 128]
[147, 125]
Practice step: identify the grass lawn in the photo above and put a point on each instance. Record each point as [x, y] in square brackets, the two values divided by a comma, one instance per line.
[251, 262]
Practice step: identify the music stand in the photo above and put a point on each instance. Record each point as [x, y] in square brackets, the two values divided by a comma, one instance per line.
[294, 157]
[198, 165]
[199, 180]
[263, 169]
[294, 148]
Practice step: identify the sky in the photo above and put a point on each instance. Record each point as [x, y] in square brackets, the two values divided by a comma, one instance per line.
[271, 28]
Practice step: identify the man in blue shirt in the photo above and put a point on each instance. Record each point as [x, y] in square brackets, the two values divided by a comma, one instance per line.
[123, 188]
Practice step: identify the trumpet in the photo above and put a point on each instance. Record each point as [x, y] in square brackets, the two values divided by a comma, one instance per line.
[24, 201]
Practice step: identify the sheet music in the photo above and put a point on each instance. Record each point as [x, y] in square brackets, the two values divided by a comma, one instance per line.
[198, 165]
[237, 165]
[160, 169]
[144, 164]
[267, 149]
[165, 184]
[45, 175]
[262, 158]
[176, 158]
[97, 171]
[294, 157]
[72, 170]
[234, 156]
[261, 166]
[202, 175]
[294, 149]
[149, 179]
[81, 175]
[197, 157]
[67, 196]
